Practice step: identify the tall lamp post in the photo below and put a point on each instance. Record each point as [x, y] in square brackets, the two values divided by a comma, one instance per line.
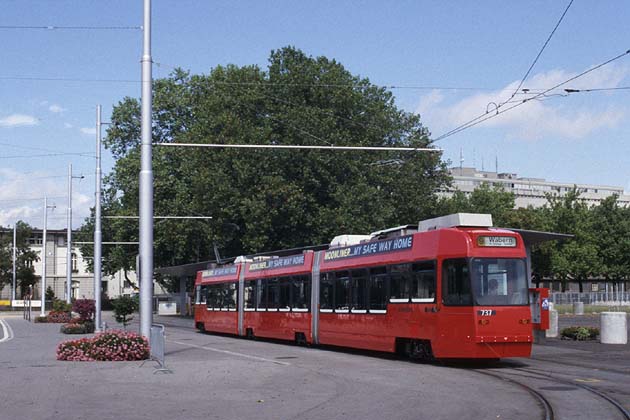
[98, 236]
[44, 256]
[146, 184]
[69, 238]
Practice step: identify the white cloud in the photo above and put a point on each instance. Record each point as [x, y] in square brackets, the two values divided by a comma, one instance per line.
[88, 130]
[15, 204]
[56, 109]
[544, 116]
[18, 120]
[68, 125]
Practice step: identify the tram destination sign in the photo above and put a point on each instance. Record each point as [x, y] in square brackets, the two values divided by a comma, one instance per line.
[222, 271]
[371, 248]
[277, 263]
[497, 241]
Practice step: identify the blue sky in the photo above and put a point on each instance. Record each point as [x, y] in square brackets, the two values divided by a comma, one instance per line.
[481, 48]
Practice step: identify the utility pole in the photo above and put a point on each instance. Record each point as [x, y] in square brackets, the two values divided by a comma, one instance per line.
[14, 262]
[98, 237]
[69, 237]
[43, 291]
[146, 184]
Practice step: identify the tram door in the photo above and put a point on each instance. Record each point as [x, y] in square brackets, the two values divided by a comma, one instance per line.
[455, 324]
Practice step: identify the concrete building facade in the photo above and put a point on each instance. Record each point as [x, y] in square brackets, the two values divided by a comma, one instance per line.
[82, 280]
[530, 191]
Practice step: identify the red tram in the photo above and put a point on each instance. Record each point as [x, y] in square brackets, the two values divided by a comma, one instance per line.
[453, 288]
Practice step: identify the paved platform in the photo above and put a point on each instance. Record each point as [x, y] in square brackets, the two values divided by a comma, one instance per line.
[223, 377]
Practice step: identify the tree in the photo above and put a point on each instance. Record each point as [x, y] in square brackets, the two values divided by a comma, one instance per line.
[611, 225]
[489, 199]
[25, 257]
[123, 307]
[262, 200]
[578, 258]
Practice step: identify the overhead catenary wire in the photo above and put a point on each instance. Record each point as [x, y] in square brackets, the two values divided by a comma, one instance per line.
[292, 146]
[79, 28]
[539, 53]
[486, 116]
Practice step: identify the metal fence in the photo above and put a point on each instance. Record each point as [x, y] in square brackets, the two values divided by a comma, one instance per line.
[612, 298]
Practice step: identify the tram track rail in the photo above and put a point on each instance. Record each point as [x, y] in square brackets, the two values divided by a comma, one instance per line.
[542, 401]
[617, 404]
[507, 374]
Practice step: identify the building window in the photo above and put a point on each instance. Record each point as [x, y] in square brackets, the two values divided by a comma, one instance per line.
[73, 258]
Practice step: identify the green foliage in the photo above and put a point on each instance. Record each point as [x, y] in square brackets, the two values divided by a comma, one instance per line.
[580, 333]
[40, 319]
[491, 199]
[50, 293]
[61, 306]
[86, 327]
[25, 257]
[266, 199]
[123, 307]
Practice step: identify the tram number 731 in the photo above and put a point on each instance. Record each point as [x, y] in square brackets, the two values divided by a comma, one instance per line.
[486, 312]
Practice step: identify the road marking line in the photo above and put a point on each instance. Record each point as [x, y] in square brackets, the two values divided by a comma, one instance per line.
[7, 332]
[247, 356]
[587, 380]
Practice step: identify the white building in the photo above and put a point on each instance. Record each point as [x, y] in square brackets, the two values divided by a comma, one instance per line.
[530, 191]
[82, 280]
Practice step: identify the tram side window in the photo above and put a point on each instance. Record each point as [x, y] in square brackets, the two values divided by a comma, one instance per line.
[202, 295]
[399, 283]
[301, 293]
[229, 291]
[215, 298]
[456, 282]
[423, 282]
[284, 287]
[261, 295]
[378, 289]
[273, 294]
[359, 290]
[250, 294]
[342, 291]
[326, 291]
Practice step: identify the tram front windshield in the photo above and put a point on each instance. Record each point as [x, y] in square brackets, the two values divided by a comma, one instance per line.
[499, 281]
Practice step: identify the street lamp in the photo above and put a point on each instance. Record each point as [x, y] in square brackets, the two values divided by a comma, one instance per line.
[43, 291]
[69, 240]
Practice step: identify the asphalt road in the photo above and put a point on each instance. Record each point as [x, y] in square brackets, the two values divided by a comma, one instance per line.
[222, 377]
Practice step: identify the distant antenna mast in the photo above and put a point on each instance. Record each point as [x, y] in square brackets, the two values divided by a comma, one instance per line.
[482, 165]
[474, 159]
[496, 164]
[461, 161]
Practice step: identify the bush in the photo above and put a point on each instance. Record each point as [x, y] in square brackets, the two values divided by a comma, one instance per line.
[61, 306]
[41, 319]
[123, 307]
[77, 327]
[106, 346]
[580, 333]
[58, 317]
[85, 308]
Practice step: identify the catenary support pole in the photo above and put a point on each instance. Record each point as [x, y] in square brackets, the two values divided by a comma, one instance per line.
[98, 237]
[43, 288]
[69, 239]
[146, 184]
[14, 262]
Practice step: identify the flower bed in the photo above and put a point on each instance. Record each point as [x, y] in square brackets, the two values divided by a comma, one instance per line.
[75, 326]
[58, 317]
[106, 346]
